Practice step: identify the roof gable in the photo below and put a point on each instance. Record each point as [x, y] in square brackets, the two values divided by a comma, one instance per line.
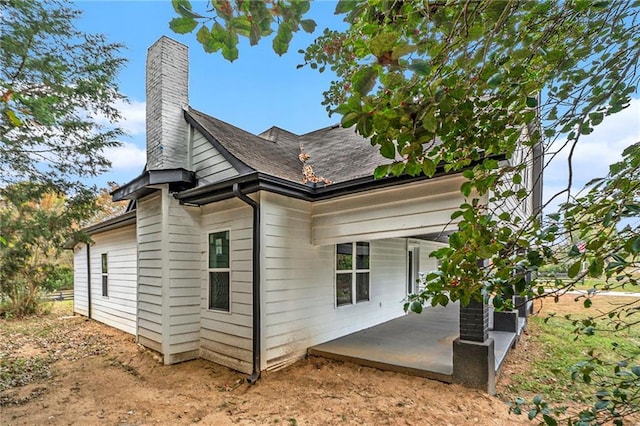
[336, 153]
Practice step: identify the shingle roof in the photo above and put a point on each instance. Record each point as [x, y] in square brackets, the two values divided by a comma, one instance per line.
[336, 153]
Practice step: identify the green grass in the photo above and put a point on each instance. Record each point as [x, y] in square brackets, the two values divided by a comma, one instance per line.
[549, 373]
[601, 285]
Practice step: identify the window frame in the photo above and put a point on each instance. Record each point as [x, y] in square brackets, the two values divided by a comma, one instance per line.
[104, 273]
[354, 271]
[218, 269]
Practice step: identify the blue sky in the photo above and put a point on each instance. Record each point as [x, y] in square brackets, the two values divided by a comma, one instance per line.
[261, 89]
[255, 92]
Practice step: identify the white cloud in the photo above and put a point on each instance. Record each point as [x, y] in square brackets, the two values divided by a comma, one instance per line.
[133, 114]
[127, 156]
[133, 117]
[594, 153]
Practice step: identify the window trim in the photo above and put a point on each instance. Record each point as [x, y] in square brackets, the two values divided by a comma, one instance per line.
[209, 270]
[104, 273]
[354, 271]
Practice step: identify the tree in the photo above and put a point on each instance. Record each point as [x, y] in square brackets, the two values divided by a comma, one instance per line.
[455, 84]
[57, 115]
[35, 220]
[57, 91]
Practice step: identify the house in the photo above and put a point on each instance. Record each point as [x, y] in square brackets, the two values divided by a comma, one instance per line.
[225, 254]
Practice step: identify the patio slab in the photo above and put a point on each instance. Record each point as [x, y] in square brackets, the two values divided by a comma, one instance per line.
[419, 345]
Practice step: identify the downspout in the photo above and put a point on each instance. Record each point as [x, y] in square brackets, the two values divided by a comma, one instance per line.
[88, 281]
[256, 281]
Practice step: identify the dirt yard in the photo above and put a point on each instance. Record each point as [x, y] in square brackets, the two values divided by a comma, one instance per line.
[67, 370]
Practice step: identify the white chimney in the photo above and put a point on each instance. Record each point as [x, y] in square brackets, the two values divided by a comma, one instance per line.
[167, 95]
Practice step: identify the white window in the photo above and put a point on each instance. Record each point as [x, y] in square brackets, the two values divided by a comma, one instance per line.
[105, 275]
[219, 272]
[352, 273]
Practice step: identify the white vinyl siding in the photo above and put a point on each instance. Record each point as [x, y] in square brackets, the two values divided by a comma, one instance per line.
[119, 308]
[512, 205]
[182, 279]
[298, 279]
[404, 211]
[149, 224]
[80, 299]
[226, 337]
[210, 166]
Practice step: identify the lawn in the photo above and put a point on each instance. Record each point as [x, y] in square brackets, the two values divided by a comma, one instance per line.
[561, 336]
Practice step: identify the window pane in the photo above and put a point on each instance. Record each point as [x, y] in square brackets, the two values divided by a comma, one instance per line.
[219, 250]
[105, 289]
[104, 263]
[362, 255]
[219, 290]
[362, 286]
[343, 289]
[344, 256]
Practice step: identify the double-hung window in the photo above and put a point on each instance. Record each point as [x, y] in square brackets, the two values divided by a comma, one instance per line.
[352, 273]
[219, 272]
[105, 275]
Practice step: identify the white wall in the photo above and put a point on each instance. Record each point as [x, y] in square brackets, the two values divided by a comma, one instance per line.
[149, 228]
[226, 337]
[118, 308]
[80, 299]
[403, 211]
[210, 166]
[298, 284]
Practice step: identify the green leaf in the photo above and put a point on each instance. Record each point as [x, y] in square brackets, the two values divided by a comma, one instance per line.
[428, 167]
[13, 118]
[279, 46]
[574, 251]
[596, 268]
[308, 25]
[183, 7]
[532, 102]
[345, 6]
[183, 25]
[416, 307]
[413, 168]
[388, 149]
[242, 24]
[420, 67]
[574, 269]
[401, 50]
[383, 43]
[635, 247]
[230, 53]
[517, 179]
[430, 122]
[381, 171]
[203, 35]
[549, 421]
[349, 119]
[364, 80]
[466, 188]
[596, 118]
[587, 303]
[397, 168]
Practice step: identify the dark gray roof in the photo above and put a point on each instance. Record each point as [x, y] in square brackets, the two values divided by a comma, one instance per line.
[336, 153]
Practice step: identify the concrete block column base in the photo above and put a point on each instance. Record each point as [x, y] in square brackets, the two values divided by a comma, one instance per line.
[474, 364]
[505, 321]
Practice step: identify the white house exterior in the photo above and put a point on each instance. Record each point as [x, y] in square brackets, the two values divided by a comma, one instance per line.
[229, 257]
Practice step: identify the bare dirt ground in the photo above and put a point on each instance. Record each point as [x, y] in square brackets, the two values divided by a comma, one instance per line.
[73, 371]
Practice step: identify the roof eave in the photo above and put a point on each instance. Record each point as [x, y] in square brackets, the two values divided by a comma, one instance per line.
[178, 179]
[123, 220]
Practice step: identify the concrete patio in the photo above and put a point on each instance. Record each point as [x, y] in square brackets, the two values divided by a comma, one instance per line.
[420, 345]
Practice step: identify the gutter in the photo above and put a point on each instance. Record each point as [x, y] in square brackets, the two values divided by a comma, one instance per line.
[256, 181]
[253, 378]
[88, 281]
